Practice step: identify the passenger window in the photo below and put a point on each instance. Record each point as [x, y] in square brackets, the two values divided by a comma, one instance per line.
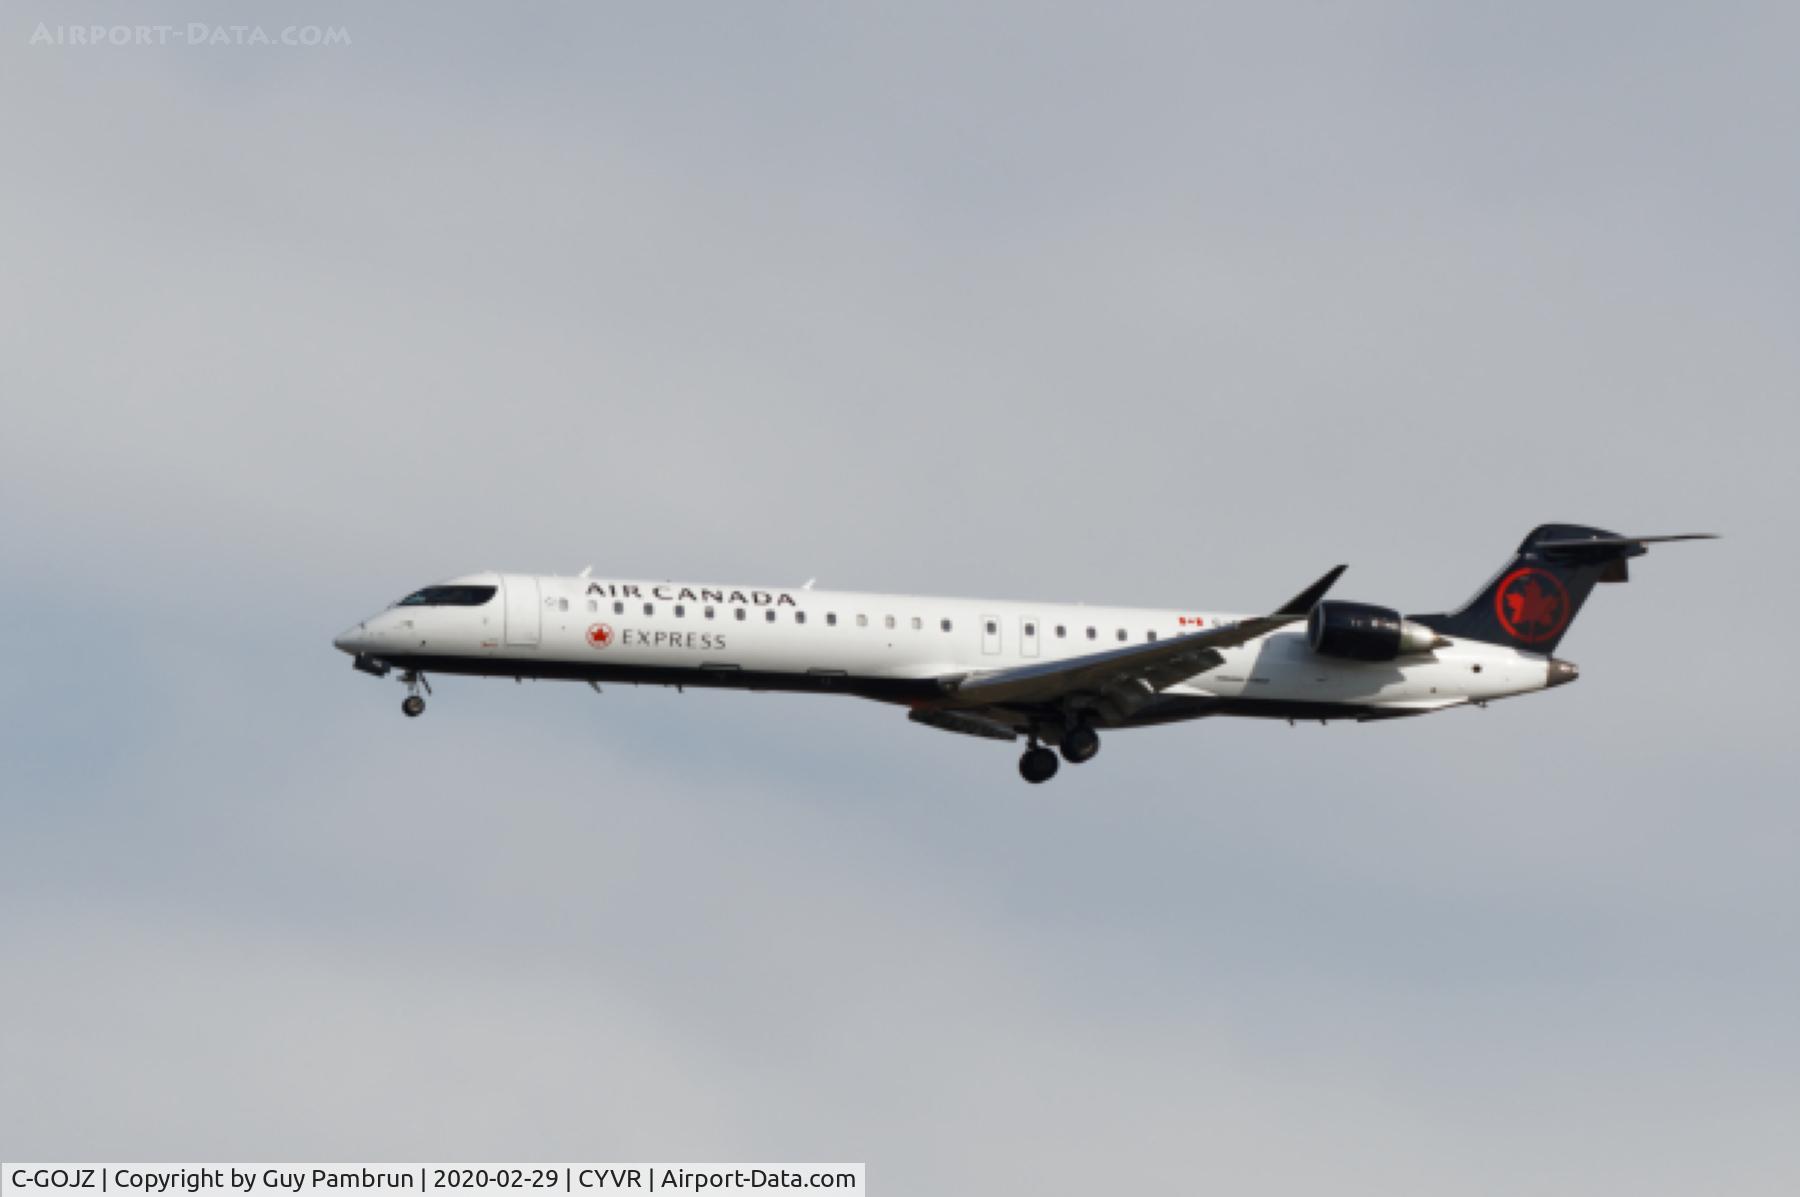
[680, 611]
[649, 608]
[1150, 635]
[709, 613]
[946, 625]
[890, 621]
[562, 604]
[799, 617]
[740, 612]
[992, 627]
[917, 623]
[593, 607]
[618, 608]
[771, 614]
[862, 621]
[831, 619]
[1061, 631]
[1121, 635]
[1031, 629]
[1091, 633]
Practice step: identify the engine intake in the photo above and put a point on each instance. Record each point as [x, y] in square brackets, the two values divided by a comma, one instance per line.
[1361, 632]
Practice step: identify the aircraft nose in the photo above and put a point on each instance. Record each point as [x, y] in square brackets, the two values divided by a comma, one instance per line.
[351, 640]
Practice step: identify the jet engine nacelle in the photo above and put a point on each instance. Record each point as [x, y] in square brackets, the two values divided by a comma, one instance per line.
[1361, 632]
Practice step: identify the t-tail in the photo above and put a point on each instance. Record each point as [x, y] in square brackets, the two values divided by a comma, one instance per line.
[1530, 603]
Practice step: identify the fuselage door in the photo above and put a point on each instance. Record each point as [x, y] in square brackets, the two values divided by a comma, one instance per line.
[1028, 635]
[524, 615]
[990, 634]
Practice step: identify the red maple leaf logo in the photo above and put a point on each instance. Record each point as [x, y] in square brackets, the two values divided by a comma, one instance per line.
[600, 636]
[1532, 605]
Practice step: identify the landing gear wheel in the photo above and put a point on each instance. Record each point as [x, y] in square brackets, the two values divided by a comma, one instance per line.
[1080, 743]
[414, 706]
[1038, 765]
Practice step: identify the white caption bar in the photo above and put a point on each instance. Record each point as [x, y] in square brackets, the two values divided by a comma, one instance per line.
[314, 1180]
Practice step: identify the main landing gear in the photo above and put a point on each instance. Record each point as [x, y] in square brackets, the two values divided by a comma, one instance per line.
[414, 706]
[1038, 765]
[1079, 744]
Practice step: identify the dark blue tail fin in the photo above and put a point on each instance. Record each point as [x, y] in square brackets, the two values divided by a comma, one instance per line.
[1532, 601]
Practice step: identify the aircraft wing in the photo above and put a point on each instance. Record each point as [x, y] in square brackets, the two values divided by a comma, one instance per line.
[1127, 675]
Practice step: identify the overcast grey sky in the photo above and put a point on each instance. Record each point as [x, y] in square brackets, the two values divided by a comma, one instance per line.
[1168, 304]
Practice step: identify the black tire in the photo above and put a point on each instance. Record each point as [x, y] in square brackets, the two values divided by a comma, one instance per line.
[1038, 766]
[414, 706]
[1079, 744]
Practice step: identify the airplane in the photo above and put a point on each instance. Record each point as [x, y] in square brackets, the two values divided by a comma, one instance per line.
[1055, 674]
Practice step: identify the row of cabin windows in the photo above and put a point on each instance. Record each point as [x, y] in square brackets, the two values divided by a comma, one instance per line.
[862, 621]
[831, 619]
[1062, 633]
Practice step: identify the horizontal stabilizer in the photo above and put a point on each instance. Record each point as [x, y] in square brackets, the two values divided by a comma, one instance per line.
[1620, 542]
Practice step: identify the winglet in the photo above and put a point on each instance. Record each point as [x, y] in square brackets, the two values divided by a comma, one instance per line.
[1302, 604]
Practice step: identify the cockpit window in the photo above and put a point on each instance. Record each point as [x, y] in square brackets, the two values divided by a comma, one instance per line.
[449, 596]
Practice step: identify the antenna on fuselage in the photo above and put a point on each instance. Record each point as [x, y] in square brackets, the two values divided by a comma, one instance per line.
[586, 570]
[809, 583]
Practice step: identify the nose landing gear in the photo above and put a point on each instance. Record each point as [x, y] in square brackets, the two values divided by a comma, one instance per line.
[414, 706]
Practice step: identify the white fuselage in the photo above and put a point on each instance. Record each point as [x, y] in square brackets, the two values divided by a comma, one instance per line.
[894, 646]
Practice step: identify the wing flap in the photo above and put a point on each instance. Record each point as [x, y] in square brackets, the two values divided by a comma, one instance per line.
[964, 723]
